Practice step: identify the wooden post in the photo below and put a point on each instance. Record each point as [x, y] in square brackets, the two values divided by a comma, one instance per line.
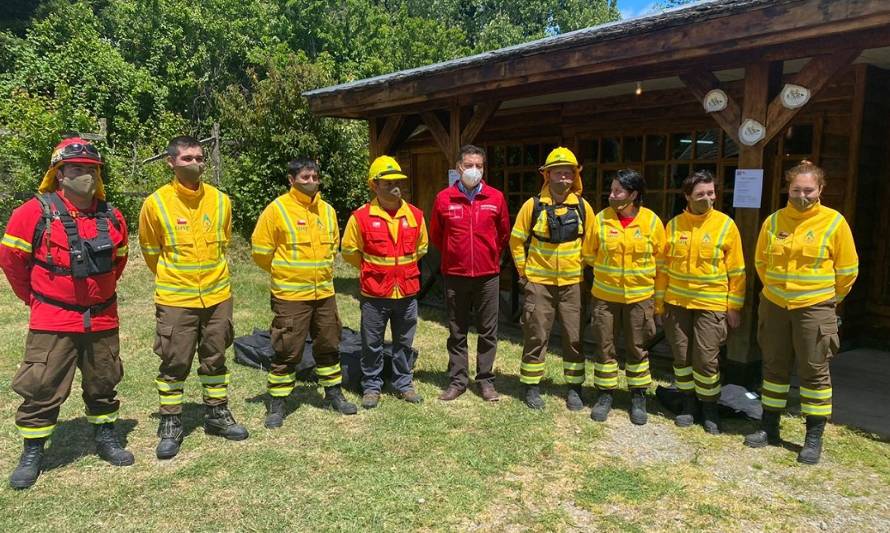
[741, 346]
[373, 150]
[215, 154]
[454, 132]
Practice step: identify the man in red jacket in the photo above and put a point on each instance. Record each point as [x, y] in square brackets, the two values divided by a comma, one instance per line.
[63, 252]
[470, 225]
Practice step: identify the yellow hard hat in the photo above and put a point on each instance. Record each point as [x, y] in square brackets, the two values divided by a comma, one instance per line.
[560, 156]
[385, 168]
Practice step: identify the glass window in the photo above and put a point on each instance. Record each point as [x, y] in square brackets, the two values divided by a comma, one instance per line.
[729, 178]
[730, 148]
[656, 147]
[589, 151]
[588, 178]
[707, 144]
[655, 202]
[611, 148]
[654, 175]
[681, 146]
[514, 182]
[532, 157]
[531, 183]
[633, 149]
[677, 205]
[496, 179]
[679, 172]
[799, 140]
[500, 156]
[514, 156]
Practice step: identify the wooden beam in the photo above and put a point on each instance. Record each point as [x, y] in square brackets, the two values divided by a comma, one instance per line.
[437, 130]
[373, 150]
[814, 76]
[388, 133]
[676, 46]
[481, 116]
[453, 132]
[700, 83]
[742, 344]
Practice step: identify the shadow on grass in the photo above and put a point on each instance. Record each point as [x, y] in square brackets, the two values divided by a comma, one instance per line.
[73, 439]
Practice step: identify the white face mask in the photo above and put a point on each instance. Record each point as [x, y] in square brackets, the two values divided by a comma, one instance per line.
[471, 177]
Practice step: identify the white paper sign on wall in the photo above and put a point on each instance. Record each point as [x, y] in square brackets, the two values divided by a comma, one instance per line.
[716, 100]
[751, 132]
[794, 96]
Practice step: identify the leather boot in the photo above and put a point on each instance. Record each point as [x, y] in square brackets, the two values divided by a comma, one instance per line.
[28, 470]
[218, 420]
[275, 413]
[573, 398]
[812, 444]
[687, 415]
[335, 400]
[109, 448]
[711, 417]
[768, 432]
[170, 433]
[600, 411]
[533, 397]
[638, 414]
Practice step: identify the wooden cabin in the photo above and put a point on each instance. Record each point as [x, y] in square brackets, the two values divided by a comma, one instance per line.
[668, 94]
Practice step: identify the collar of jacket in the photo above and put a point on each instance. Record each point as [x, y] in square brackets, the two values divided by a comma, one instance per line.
[571, 198]
[455, 192]
[304, 199]
[611, 217]
[404, 211]
[698, 218]
[792, 213]
[184, 192]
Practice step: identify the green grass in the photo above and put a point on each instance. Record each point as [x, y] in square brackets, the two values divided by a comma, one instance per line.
[457, 466]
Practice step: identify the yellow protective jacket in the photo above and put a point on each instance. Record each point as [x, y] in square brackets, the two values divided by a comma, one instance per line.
[704, 264]
[544, 262]
[183, 235]
[625, 260]
[353, 247]
[805, 258]
[295, 240]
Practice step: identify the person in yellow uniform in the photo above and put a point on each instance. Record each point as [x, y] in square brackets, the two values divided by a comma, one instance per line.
[807, 261]
[700, 294]
[296, 240]
[385, 239]
[625, 251]
[546, 243]
[184, 229]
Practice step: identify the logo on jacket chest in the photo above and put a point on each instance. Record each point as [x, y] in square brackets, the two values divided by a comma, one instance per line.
[638, 235]
[706, 238]
[810, 237]
[207, 223]
[182, 224]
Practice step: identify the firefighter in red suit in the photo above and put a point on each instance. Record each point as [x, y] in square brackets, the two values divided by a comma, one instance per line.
[63, 252]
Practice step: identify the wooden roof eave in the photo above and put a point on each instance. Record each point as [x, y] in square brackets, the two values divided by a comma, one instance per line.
[811, 25]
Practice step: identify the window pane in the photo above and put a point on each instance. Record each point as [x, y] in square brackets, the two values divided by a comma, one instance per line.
[655, 177]
[531, 184]
[707, 144]
[678, 174]
[513, 182]
[727, 205]
[514, 202]
[531, 155]
[656, 147]
[514, 155]
[500, 156]
[729, 178]
[589, 151]
[588, 179]
[655, 202]
[681, 146]
[677, 205]
[709, 167]
[633, 149]
[611, 148]
[799, 140]
[496, 179]
[730, 148]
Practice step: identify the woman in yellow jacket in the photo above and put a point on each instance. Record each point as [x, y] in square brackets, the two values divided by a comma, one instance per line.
[700, 293]
[625, 250]
[807, 261]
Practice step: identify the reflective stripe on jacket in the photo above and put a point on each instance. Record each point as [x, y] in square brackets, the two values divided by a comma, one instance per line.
[805, 258]
[296, 239]
[386, 249]
[625, 260]
[183, 235]
[704, 264]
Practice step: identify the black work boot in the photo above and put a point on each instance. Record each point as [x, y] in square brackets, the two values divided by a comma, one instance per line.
[26, 473]
[218, 420]
[109, 448]
[710, 417]
[638, 407]
[170, 433]
[334, 399]
[812, 444]
[275, 413]
[600, 411]
[687, 415]
[573, 398]
[768, 432]
[533, 397]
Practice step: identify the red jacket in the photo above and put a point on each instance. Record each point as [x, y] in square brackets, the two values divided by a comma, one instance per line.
[387, 265]
[27, 277]
[470, 235]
